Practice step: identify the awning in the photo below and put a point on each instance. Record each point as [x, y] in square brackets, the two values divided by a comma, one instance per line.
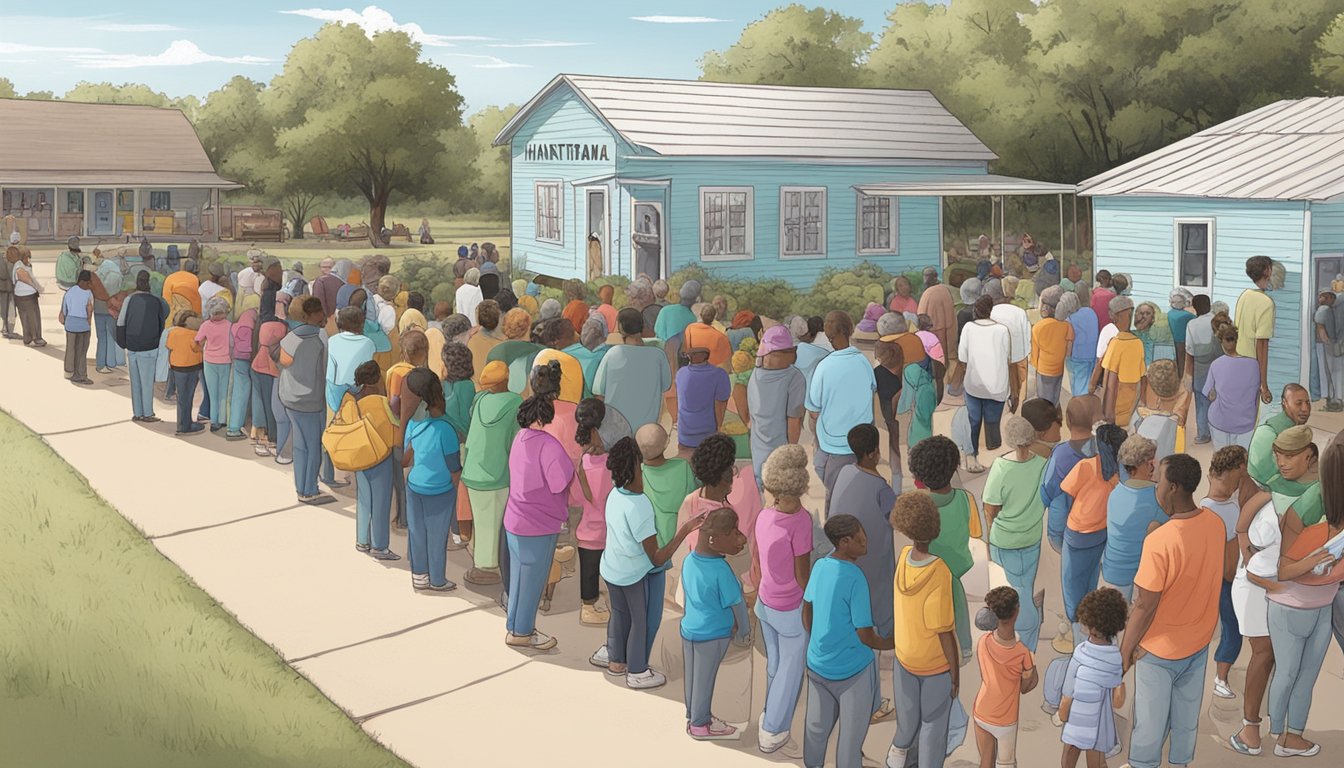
[125, 179]
[964, 185]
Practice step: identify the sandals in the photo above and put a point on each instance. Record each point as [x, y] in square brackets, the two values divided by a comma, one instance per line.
[884, 712]
[1241, 747]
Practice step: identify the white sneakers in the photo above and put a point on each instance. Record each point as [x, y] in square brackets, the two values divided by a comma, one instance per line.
[776, 743]
[646, 681]
[1222, 690]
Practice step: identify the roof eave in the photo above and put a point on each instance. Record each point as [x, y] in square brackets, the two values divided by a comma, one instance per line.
[511, 128]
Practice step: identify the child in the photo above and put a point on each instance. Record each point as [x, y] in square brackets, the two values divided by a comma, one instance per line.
[591, 532]
[184, 360]
[1006, 672]
[76, 314]
[667, 483]
[927, 672]
[715, 612]
[1089, 485]
[1046, 419]
[1094, 684]
[414, 354]
[933, 462]
[373, 486]
[1080, 414]
[432, 452]
[841, 668]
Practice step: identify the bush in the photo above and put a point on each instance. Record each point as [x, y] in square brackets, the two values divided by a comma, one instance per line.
[772, 298]
[851, 290]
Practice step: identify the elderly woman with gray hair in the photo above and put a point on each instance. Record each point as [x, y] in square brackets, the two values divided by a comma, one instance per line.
[213, 337]
[1178, 317]
[1051, 343]
[970, 290]
[1082, 359]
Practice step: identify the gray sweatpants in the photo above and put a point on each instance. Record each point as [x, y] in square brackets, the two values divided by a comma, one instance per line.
[1048, 387]
[848, 702]
[828, 466]
[628, 627]
[703, 658]
[923, 706]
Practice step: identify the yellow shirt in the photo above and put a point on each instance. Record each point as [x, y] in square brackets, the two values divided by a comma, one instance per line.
[1124, 358]
[571, 373]
[1254, 320]
[436, 345]
[1051, 340]
[923, 603]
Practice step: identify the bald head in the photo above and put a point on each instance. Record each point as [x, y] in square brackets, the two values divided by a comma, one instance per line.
[1296, 403]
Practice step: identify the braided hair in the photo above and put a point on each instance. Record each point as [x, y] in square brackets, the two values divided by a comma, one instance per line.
[623, 462]
[589, 414]
[1109, 439]
[540, 407]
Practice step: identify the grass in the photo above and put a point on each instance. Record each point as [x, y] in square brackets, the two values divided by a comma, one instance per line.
[110, 655]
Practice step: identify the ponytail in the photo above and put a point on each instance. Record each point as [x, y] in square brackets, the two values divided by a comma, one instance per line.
[1109, 439]
[540, 407]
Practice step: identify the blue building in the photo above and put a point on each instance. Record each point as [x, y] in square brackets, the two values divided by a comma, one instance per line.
[626, 176]
[1270, 182]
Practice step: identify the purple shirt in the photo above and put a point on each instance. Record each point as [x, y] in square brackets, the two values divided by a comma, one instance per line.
[1237, 383]
[539, 476]
[699, 388]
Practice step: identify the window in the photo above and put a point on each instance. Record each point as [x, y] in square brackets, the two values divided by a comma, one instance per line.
[877, 224]
[548, 212]
[74, 202]
[161, 201]
[1194, 254]
[726, 223]
[802, 221]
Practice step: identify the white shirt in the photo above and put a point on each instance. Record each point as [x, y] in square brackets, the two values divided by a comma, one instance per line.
[1104, 339]
[387, 314]
[21, 288]
[468, 298]
[246, 280]
[1014, 318]
[208, 290]
[985, 346]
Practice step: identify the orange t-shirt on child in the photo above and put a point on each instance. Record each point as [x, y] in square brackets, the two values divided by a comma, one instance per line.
[1001, 673]
[1090, 494]
[183, 351]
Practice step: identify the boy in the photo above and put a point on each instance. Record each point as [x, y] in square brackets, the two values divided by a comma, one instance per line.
[667, 483]
[715, 613]
[702, 398]
[933, 462]
[1006, 672]
[1080, 414]
[1045, 418]
[1229, 486]
[841, 670]
[76, 313]
[928, 672]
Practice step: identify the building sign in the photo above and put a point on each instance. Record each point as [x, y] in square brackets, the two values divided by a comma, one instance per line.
[567, 152]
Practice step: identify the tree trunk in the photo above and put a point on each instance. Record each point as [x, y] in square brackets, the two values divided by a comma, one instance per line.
[378, 218]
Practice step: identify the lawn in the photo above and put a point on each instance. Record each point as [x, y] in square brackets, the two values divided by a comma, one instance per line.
[110, 655]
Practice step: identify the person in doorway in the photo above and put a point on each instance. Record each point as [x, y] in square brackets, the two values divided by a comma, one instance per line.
[839, 397]
[1254, 317]
[76, 312]
[1015, 518]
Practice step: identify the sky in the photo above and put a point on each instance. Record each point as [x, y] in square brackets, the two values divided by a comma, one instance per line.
[500, 51]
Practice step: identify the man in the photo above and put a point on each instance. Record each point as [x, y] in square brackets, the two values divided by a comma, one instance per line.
[303, 369]
[1071, 278]
[1051, 341]
[107, 285]
[839, 398]
[776, 397]
[247, 277]
[1178, 319]
[1014, 318]
[327, 285]
[1166, 640]
[1261, 464]
[632, 377]
[1327, 381]
[986, 347]
[469, 295]
[703, 390]
[808, 352]
[1123, 365]
[1254, 316]
[1201, 349]
[704, 335]
[7, 287]
[69, 263]
[139, 326]
[76, 312]
[937, 302]
[480, 343]
[1101, 299]
[671, 327]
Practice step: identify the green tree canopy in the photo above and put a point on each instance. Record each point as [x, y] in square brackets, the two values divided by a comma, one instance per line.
[793, 45]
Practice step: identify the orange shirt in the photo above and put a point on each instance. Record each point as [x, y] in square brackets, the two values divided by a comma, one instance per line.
[186, 285]
[1183, 560]
[183, 351]
[1001, 673]
[396, 374]
[716, 341]
[1090, 494]
[576, 312]
[1051, 340]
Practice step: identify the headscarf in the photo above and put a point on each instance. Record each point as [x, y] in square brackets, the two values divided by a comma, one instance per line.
[494, 372]
[489, 280]
[533, 290]
[870, 317]
[982, 269]
[971, 289]
[920, 398]
[342, 269]
[550, 309]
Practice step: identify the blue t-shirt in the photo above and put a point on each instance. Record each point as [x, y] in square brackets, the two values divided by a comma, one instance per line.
[1129, 511]
[345, 352]
[1086, 334]
[75, 305]
[809, 355]
[711, 592]
[437, 456]
[841, 391]
[629, 523]
[1178, 319]
[699, 389]
[839, 597]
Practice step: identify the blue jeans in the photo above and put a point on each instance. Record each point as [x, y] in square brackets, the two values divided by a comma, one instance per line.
[1080, 375]
[142, 366]
[529, 564]
[426, 531]
[1229, 642]
[307, 449]
[1080, 568]
[262, 415]
[217, 386]
[204, 411]
[109, 355]
[284, 429]
[240, 396]
[987, 412]
[186, 392]
[373, 499]
[1223, 439]
[1020, 566]
[785, 662]
[1300, 637]
[1167, 697]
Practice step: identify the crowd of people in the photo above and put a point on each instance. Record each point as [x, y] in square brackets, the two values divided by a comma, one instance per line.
[667, 437]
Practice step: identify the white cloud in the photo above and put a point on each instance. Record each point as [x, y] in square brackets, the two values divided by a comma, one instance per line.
[536, 44]
[678, 19]
[7, 48]
[374, 20]
[181, 53]
[487, 62]
[137, 28]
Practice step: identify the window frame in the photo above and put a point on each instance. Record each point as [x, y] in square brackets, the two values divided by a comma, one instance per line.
[165, 195]
[893, 218]
[749, 228]
[822, 244]
[537, 189]
[1212, 226]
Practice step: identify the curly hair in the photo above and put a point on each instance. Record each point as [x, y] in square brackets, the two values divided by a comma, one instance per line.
[487, 314]
[1162, 377]
[588, 415]
[1017, 432]
[368, 374]
[455, 325]
[916, 516]
[785, 471]
[516, 323]
[1136, 450]
[540, 407]
[714, 459]
[1226, 333]
[1003, 601]
[1103, 611]
[457, 361]
[1226, 459]
[933, 461]
[623, 462]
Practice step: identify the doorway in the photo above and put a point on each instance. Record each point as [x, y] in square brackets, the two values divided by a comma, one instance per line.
[648, 239]
[596, 233]
[102, 213]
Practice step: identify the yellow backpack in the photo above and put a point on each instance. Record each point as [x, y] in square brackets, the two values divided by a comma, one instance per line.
[360, 434]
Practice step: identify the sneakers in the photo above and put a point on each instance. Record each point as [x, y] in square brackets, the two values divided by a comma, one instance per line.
[448, 585]
[363, 548]
[593, 615]
[1221, 689]
[600, 658]
[383, 554]
[646, 680]
[1282, 751]
[714, 730]
[537, 641]
[885, 711]
[284, 461]
[456, 543]
[776, 743]
[420, 581]
[103, 369]
[481, 576]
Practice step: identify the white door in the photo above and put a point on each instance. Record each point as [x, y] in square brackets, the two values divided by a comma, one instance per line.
[102, 213]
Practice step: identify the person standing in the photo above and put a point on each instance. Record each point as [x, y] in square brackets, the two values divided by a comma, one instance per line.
[214, 338]
[986, 348]
[139, 327]
[933, 463]
[76, 310]
[715, 614]
[1007, 670]
[632, 376]
[433, 454]
[937, 302]
[326, 285]
[805, 331]
[1201, 349]
[69, 264]
[109, 356]
[1082, 359]
[1175, 611]
[1051, 343]
[1101, 298]
[7, 286]
[1122, 366]
[485, 471]
[302, 386]
[26, 290]
[1263, 467]
[839, 398]
[1014, 318]
[184, 361]
[702, 397]
[1178, 319]
[1229, 486]
[1254, 317]
[1132, 513]
[487, 338]
[1015, 518]
[1089, 485]
[469, 295]
[1231, 390]
[373, 498]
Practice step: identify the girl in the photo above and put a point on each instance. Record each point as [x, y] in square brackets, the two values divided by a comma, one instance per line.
[1093, 685]
[715, 613]
[901, 299]
[432, 453]
[458, 394]
[631, 552]
[1232, 387]
[784, 538]
[1089, 484]
[1007, 671]
[933, 462]
[594, 418]
[373, 486]
[214, 337]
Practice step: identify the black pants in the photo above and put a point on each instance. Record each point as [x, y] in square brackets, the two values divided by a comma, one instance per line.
[628, 627]
[590, 576]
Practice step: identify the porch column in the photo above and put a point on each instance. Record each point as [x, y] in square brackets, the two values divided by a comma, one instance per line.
[55, 213]
[88, 211]
[137, 216]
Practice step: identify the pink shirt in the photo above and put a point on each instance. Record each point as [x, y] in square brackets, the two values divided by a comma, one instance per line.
[932, 346]
[592, 530]
[744, 499]
[268, 336]
[779, 539]
[903, 304]
[539, 476]
[1101, 304]
[214, 340]
[563, 427]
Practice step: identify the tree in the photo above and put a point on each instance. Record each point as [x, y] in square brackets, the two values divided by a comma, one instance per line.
[793, 45]
[1328, 62]
[363, 114]
[239, 136]
[491, 165]
[7, 89]
[131, 93]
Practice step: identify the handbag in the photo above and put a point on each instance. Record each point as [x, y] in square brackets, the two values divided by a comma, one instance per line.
[353, 440]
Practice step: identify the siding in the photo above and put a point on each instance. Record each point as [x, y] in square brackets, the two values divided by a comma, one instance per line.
[1135, 235]
[1327, 228]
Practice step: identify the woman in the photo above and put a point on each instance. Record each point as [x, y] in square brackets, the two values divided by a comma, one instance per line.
[373, 486]
[458, 394]
[1150, 325]
[871, 315]
[489, 283]
[269, 331]
[26, 290]
[1232, 388]
[593, 418]
[1132, 512]
[746, 325]
[540, 472]
[240, 354]
[213, 337]
[985, 347]
[433, 455]
[485, 471]
[1164, 409]
[1015, 519]
[1082, 357]
[901, 299]
[426, 238]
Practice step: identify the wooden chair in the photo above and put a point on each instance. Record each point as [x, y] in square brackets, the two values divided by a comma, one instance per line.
[319, 227]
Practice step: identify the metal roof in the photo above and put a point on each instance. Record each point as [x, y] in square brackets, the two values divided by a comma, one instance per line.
[63, 142]
[691, 117]
[1288, 150]
[969, 184]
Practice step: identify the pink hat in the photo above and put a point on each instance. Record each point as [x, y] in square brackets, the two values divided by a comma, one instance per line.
[775, 339]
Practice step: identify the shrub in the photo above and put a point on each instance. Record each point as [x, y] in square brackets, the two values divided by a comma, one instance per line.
[849, 289]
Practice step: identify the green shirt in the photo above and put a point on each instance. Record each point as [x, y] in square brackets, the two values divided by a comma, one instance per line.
[457, 398]
[1262, 466]
[1016, 487]
[494, 423]
[667, 486]
[960, 521]
[1309, 506]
